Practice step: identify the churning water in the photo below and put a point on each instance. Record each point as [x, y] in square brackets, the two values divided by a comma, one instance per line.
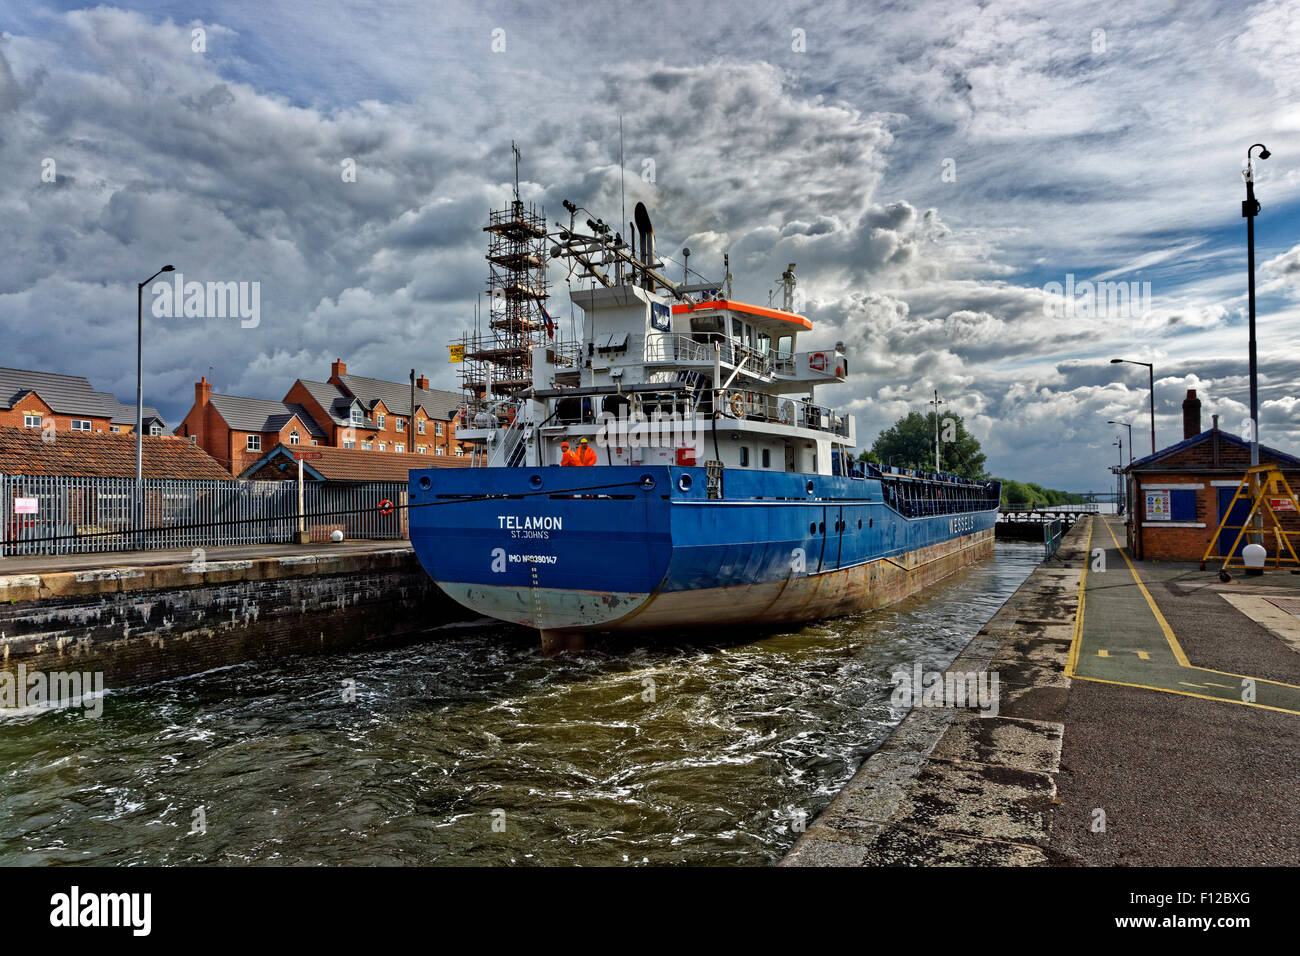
[471, 748]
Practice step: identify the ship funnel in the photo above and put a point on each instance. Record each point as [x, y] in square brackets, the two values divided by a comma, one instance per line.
[643, 225]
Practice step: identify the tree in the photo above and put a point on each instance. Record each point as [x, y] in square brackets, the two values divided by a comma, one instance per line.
[909, 443]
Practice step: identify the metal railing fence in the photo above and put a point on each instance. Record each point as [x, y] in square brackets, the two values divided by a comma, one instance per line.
[78, 515]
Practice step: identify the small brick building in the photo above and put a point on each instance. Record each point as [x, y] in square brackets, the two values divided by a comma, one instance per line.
[1178, 495]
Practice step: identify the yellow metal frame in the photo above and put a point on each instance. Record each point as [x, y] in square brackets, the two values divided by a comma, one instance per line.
[1254, 487]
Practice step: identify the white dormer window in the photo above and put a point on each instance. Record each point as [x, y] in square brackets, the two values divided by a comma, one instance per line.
[358, 417]
[155, 429]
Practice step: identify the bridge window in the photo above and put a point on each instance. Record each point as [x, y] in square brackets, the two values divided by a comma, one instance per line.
[767, 458]
[744, 457]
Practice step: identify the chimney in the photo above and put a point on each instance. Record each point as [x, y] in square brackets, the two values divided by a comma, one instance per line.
[1191, 415]
[202, 391]
[422, 383]
[338, 368]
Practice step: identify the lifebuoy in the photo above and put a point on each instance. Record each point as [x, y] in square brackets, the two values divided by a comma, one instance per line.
[737, 405]
[385, 507]
[817, 361]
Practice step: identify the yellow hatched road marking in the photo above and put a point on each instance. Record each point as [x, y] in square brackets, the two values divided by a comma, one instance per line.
[1077, 643]
[1151, 602]
[1101, 653]
[1185, 693]
[1144, 655]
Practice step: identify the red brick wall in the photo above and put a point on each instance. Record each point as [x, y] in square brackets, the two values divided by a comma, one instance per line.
[32, 405]
[1155, 542]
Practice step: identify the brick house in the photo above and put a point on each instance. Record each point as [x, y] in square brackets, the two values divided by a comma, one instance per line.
[30, 399]
[345, 411]
[1180, 493]
[376, 415]
[123, 419]
[238, 431]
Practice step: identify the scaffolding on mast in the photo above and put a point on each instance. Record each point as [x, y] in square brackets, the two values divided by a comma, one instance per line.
[498, 359]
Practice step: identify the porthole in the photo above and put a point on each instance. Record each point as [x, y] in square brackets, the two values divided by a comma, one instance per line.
[425, 483]
[684, 483]
[812, 528]
[821, 527]
[859, 524]
[810, 487]
[647, 482]
[535, 481]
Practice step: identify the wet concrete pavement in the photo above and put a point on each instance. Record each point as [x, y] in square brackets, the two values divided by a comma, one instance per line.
[1150, 715]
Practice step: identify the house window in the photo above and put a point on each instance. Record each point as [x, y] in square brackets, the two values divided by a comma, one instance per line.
[419, 426]
[367, 446]
[349, 443]
[194, 439]
[79, 424]
[383, 446]
[294, 437]
[460, 452]
[437, 429]
[399, 447]
[254, 443]
[400, 423]
[440, 450]
[315, 442]
[154, 429]
[31, 421]
[422, 450]
[114, 429]
[380, 419]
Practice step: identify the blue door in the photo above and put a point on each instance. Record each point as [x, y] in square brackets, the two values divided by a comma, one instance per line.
[1238, 517]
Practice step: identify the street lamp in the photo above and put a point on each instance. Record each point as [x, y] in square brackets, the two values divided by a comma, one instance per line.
[1249, 209]
[139, 395]
[1130, 437]
[1151, 376]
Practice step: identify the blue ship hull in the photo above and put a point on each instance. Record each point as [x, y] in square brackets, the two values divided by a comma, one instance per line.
[633, 547]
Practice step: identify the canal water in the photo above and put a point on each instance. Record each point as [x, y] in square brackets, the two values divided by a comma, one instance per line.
[470, 748]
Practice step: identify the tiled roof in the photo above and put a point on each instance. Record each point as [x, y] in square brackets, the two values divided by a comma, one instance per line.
[1227, 438]
[66, 394]
[260, 415]
[125, 414]
[24, 452]
[331, 398]
[355, 464]
[396, 396]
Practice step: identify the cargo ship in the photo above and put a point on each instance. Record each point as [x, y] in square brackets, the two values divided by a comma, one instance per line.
[719, 490]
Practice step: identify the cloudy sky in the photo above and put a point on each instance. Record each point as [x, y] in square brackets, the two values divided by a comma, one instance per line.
[932, 169]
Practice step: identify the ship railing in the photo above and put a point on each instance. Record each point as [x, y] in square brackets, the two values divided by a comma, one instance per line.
[698, 347]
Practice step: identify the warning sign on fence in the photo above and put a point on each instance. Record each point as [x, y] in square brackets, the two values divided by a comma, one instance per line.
[26, 506]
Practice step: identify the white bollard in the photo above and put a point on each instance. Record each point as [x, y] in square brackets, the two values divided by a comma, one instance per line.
[1253, 555]
[336, 536]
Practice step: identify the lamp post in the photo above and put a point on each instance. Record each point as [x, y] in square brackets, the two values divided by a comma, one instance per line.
[1130, 438]
[1151, 382]
[1249, 209]
[139, 396]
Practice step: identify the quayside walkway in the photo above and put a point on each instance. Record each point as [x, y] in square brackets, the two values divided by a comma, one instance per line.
[1149, 715]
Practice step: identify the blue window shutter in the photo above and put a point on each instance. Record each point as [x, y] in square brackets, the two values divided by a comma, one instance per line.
[1182, 505]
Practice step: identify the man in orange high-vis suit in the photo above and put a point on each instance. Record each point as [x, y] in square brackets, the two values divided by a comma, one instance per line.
[569, 456]
[586, 456]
